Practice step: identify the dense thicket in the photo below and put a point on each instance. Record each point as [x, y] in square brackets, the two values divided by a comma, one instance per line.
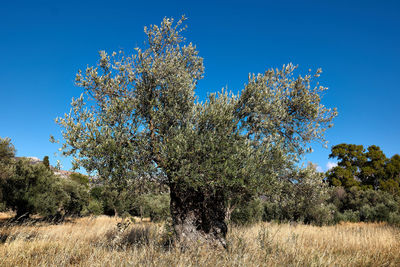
[363, 187]
[7, 154]
[28, 188]
[303, 195]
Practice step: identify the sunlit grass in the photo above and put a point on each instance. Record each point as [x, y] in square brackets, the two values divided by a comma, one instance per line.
[97, 241]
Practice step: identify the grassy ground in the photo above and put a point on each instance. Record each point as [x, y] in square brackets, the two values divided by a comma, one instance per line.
[99, 242]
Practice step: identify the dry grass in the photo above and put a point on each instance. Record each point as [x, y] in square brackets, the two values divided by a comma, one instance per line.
[98, 242]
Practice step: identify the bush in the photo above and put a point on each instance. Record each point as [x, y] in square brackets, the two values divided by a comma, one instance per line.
[112, 201]
[94, 207]
[77, 197]
[347, 216]
[33, 189]
[302, 197]
[365, 205]
[155, 206]
[80, 179]
[248, 212]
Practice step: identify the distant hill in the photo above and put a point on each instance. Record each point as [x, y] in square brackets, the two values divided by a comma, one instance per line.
[35, 160]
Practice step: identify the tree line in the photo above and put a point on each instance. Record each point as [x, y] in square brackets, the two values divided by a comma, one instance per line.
[304, 196]
[34, 189]
[364, 186]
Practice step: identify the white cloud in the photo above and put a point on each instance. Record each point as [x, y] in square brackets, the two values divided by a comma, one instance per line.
[331, 165]
[319, 169]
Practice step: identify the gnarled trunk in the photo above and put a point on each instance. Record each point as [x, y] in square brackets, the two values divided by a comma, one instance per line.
[197, 216]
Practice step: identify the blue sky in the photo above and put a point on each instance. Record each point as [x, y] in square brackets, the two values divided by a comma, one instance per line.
[356, 43]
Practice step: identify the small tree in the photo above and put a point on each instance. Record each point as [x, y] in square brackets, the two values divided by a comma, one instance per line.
[7, 154]
[46, 162]
[77, 197]
[301, 197]
[32, 189]
[140, 118]
[80, 179]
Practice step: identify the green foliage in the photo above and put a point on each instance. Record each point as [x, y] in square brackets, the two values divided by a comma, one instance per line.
[80, 179]
[7, 154]
[365, 205]
[350, 157]
[7, 150]
[392, 186]
[77, 197]
[154, 206]
[302, 198]
[46, 162]
[139, 117]
[248, 212]
[95, 207]
[112, 202]
[393, 168]
[31, 189]
[347, 216]
[364, 169]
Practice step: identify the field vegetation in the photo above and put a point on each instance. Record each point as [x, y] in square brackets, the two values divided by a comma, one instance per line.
[112, 241]
[178, 181]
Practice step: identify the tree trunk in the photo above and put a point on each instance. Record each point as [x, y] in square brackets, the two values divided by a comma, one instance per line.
[115, 212]
[228, 213]
[198, 217]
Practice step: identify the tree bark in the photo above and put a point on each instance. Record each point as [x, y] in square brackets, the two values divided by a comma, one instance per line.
[228, 212]
[197, 216]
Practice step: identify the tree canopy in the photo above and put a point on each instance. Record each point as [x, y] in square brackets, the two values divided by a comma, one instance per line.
[138, 117]
[369, 168]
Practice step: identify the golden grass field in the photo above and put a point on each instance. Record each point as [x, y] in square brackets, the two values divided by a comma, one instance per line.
[95, 241]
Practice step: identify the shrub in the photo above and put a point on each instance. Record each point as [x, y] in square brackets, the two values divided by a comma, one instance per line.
[365, 205]
[301, 197]
[94, 207]
[347, 216]
[155, 206]
[80, 179]
[33, 189]
[248, 212]
[77, 197]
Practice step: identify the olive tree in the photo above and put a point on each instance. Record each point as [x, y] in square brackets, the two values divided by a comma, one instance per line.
[7, 154]
[139, 117]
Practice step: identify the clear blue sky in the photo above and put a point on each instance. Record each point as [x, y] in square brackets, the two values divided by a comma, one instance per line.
[356, 43]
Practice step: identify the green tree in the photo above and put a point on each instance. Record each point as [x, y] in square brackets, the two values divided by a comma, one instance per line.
[373, 170]
[32, 189]
[76, 197]
[303, 197]
[80, 179]
[369, 169]
[7, 154]
[140, 118]
[351, 158]
[391, 182]
[393, 168]
[46, 162]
